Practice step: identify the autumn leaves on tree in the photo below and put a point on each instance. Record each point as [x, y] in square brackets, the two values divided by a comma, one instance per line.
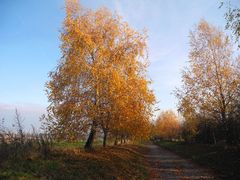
[100, 83]
[167, 126]
[207, 98]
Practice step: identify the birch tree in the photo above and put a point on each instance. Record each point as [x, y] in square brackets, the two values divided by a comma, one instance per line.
[92, 86]
[210, 82]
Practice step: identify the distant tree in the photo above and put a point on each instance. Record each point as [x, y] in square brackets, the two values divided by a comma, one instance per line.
[190, 122]
[167, 125]
[211, 81]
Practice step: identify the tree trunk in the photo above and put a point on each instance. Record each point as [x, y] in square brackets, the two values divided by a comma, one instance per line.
[105, 134]
[226, 127]
[116, 141]
[89, 143]
[214, 137]
[230, 132]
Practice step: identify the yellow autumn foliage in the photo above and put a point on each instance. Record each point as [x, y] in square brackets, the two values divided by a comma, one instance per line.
[100, 81]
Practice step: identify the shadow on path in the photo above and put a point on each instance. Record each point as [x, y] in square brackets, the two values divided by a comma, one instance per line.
[167, 165]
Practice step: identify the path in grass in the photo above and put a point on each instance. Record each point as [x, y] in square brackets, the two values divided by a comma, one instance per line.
[167, 165]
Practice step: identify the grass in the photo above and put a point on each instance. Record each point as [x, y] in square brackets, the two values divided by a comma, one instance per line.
[224, 161]
[68, 145]
[68, 161]
[75, 144]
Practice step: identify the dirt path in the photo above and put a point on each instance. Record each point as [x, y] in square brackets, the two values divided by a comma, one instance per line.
[167, 165]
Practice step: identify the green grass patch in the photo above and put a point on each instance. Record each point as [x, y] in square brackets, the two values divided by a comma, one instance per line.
[68, 145]
[224, 161]
[74, 144]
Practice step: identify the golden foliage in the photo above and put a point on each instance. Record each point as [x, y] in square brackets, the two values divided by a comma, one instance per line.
[211, 81]
[167, 125]
[101, 79]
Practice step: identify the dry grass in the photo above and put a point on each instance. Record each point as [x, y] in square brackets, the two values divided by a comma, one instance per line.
[118, 162]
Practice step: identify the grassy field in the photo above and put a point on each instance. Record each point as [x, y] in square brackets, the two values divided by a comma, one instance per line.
[224, 161]
[76, 144]
[70, 161]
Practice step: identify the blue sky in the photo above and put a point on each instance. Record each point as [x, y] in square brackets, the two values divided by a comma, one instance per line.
[29, 45]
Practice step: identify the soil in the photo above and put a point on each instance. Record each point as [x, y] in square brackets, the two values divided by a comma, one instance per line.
[164, 164]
